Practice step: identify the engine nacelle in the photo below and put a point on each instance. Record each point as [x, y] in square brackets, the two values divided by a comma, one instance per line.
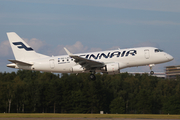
[112, 68]
[77, 68]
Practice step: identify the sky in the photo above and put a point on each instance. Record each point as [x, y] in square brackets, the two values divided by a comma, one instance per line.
[91, 25]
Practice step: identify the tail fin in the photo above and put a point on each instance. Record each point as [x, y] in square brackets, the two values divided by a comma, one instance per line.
[21, 50]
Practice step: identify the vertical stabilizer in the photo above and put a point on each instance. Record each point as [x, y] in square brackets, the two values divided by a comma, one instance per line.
[21, 50]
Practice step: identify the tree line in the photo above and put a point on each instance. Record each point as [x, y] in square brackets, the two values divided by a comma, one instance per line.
[40, 92]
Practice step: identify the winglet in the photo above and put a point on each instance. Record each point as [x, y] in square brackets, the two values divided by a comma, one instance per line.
[70, 54]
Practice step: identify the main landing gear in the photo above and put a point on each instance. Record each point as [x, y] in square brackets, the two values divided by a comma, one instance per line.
[152, 72]
[92, 76]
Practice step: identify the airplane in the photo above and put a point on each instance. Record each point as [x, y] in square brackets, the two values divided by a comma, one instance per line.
[106, 62]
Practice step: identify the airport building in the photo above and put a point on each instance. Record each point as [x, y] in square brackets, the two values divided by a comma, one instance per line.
[157, 74]
[172, 71]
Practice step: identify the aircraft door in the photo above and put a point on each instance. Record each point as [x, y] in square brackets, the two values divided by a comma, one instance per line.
[146, 54]
[51, 62]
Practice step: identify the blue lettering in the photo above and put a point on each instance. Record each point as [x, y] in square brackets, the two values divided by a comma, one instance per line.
[117, 53]
[122, 55]
[105, 56]
[109, 54]
[23, 46]
[132, 52]
[87, 56]
[95, 57]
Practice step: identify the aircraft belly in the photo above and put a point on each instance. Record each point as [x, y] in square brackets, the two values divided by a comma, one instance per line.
[64, 68]
[42, 66]
[25, 67]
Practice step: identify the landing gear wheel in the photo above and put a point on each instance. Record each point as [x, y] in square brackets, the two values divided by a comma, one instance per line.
[152, 73]
[150, 66]
[92, 77]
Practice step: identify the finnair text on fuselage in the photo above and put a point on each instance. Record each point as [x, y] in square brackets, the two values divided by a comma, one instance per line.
[110, 54]
[101, 55]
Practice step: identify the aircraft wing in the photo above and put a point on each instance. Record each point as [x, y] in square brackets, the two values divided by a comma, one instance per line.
[85, 62]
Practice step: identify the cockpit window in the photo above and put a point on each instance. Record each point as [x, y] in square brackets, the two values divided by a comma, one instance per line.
[158, 50]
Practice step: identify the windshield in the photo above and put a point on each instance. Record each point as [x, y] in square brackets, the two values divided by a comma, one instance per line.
[158, 50]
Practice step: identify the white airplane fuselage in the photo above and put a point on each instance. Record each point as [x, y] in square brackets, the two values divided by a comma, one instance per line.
[65, 64]
[110, 61]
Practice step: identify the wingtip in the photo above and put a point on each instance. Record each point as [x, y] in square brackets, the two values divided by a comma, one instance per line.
[10, 32]
[67, 51]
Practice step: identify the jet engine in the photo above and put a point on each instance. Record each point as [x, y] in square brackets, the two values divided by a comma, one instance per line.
[77, 68]
[112, 68]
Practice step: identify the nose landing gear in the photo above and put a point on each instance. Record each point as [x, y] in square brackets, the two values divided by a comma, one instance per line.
[151, 65]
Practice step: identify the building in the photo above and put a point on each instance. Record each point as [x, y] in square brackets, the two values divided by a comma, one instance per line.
[157, 74]
[172, 71]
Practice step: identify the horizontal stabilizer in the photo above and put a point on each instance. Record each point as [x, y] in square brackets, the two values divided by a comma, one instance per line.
[20, 62]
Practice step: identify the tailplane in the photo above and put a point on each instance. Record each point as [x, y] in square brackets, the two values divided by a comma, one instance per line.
[22, 51]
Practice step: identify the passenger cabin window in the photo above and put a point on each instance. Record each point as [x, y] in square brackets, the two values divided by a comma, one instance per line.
[158, 50]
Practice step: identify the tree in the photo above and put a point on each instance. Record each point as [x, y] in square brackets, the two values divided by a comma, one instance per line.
[117, 106]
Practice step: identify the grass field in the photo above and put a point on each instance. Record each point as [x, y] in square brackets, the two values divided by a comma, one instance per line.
[56, 115]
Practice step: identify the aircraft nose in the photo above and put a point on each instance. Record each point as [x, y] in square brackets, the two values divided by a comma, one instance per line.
[170, 57]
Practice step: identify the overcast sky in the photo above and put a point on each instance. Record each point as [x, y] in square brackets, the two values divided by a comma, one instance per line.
[91, 25]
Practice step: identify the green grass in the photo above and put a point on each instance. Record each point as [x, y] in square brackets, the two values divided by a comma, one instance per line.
[56, 115]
